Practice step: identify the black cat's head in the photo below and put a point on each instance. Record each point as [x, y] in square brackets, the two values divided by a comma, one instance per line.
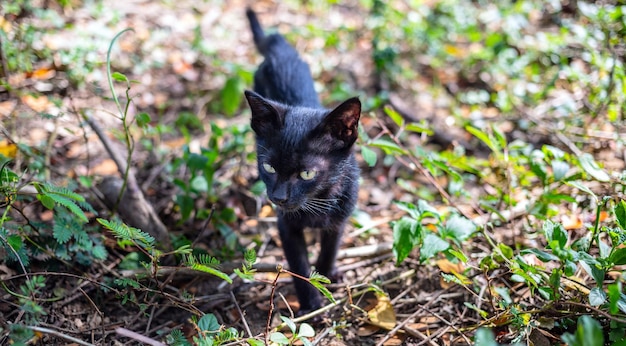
[304, 154]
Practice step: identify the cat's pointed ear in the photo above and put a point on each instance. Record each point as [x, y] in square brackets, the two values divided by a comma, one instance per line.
[266, 115]
[343, 122]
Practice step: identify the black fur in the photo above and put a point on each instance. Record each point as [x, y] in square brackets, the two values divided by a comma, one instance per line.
[296, 135]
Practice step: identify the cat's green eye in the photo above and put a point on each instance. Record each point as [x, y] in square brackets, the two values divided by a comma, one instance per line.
[307, 174]
[268, 168]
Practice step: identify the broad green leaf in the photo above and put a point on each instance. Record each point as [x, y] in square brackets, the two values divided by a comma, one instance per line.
[231, 95]
[369, 156]
[620, 214]
[208, 323]
[459, 228]
[405, 236]
[485, 337]
[581, 187]
[199, 184]
[143, 119]
[432, 245]
[306, 330]
[15, 241]
[555, 234]
[506, 251]
[279, 338]
[504, 293]
[409, 208]
[618, 256]
[597, 296]
[592, 168]
[46, 200]
[615, 294]
[559, 169]
[588, 333]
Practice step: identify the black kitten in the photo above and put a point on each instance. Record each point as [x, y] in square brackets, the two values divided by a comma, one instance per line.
[305, 157]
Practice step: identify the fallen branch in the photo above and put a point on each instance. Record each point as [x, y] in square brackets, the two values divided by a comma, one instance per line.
[133, 208]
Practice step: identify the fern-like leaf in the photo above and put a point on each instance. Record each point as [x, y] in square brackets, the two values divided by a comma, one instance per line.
[61, 191]
[125, 232]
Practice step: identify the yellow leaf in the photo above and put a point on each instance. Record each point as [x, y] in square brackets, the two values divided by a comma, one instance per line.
[382, 314]
[449, 267]
[38, 104]
[454, 50]
[7, 149]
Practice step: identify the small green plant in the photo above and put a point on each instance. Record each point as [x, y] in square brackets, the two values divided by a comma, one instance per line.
[209, 333]
[426, 228]
[298, 334]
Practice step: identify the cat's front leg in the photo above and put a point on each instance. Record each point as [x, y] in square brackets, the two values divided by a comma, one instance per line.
[294, 247]
[329, 246]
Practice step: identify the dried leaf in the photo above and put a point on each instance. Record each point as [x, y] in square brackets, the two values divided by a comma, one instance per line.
[448, 267]
[37, 103]
[382, 314]
[571, 222]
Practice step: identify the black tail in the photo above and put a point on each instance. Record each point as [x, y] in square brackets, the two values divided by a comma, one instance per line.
[257, 31]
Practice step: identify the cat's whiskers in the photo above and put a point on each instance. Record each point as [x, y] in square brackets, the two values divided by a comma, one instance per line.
[319, 206]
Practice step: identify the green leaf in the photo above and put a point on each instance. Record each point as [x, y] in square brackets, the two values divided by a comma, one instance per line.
[279, 338]
[208, 323]
[505, 250]
[395, 116]
[46, 200]
[485, 337]
[405, 236]
[143, 119]
[588, 333]
[432, 245]
[306, 330]
[483, 137]
[592, 168]
[541, 255]
[318, 280]
[62, 231]
[597, 297]
[419, 128]
[199, 184]
[559, 169]
[207, 269]
[99, 252]
[459, 228]
[555, 234]
[620, 214]
[119, 77]
[387, 146]
[581, 187]
[618, 256]
[15, 242]
[255, 342]
[369, 156]
[290, 324]
[231, 95]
